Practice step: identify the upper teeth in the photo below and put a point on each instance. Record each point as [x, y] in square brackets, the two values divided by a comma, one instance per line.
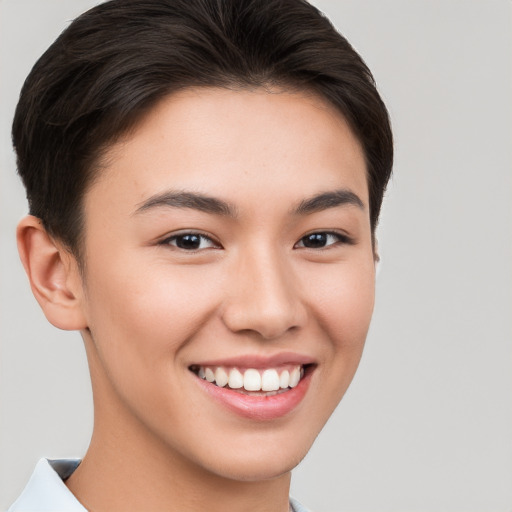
[251, 379]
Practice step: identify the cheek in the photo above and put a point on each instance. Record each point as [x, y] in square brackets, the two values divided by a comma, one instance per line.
[344, 308]
[146, 314]
[142, 319]
[346, 301]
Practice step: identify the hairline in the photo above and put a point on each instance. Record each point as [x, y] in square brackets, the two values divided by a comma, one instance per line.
[106, 151]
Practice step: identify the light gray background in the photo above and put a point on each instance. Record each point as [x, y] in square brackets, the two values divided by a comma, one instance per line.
[427, 423]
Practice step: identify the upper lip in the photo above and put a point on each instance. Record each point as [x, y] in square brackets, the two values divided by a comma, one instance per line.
[258, 361]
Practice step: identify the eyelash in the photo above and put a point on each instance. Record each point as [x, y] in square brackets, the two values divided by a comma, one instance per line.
[339, 239]
[167, 241]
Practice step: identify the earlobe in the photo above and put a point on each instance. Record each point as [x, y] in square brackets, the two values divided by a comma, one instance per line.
[53, 275]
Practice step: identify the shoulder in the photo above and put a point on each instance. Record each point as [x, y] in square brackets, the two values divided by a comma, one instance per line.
[295, 506]
[46, 490]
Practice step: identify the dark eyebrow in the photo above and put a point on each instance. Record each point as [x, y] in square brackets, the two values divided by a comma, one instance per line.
[193, 200]
[327, 200]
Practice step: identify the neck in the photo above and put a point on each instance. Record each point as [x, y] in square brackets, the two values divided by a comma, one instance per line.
[128, 468]
[121, 476]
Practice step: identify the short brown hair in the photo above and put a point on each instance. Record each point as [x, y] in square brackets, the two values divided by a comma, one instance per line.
[117, 60]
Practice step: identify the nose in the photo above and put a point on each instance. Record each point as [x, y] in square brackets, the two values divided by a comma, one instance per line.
[263, 297]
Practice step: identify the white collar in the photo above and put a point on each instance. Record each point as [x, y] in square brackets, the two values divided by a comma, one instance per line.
[46, 490]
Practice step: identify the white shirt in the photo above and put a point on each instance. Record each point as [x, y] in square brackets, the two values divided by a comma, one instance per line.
[47, 492]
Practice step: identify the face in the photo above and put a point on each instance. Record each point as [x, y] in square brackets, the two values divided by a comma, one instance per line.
[229, 278]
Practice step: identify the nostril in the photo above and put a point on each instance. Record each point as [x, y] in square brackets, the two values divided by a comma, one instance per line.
[268, 323]
[264, 298]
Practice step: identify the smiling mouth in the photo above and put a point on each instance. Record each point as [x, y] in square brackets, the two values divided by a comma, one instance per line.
[252, 381]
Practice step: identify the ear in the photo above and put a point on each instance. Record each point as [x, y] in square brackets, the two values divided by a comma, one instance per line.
[376, 257]
[53, 274]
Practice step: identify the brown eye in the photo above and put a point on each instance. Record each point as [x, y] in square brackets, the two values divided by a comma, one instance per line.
[322, 239]
[190, 242]
[315, 240]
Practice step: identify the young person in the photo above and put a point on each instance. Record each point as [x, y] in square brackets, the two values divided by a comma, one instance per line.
[204, 180]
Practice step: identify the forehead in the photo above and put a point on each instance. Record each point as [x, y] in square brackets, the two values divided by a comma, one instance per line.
[220, 141]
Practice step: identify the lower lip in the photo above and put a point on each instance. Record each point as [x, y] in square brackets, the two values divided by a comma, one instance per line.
[258, 407]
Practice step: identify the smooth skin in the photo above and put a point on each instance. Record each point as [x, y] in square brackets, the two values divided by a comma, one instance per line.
[166, 286]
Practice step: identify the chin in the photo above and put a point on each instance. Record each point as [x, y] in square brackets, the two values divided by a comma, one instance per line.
[259, 470]
[262, 460]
